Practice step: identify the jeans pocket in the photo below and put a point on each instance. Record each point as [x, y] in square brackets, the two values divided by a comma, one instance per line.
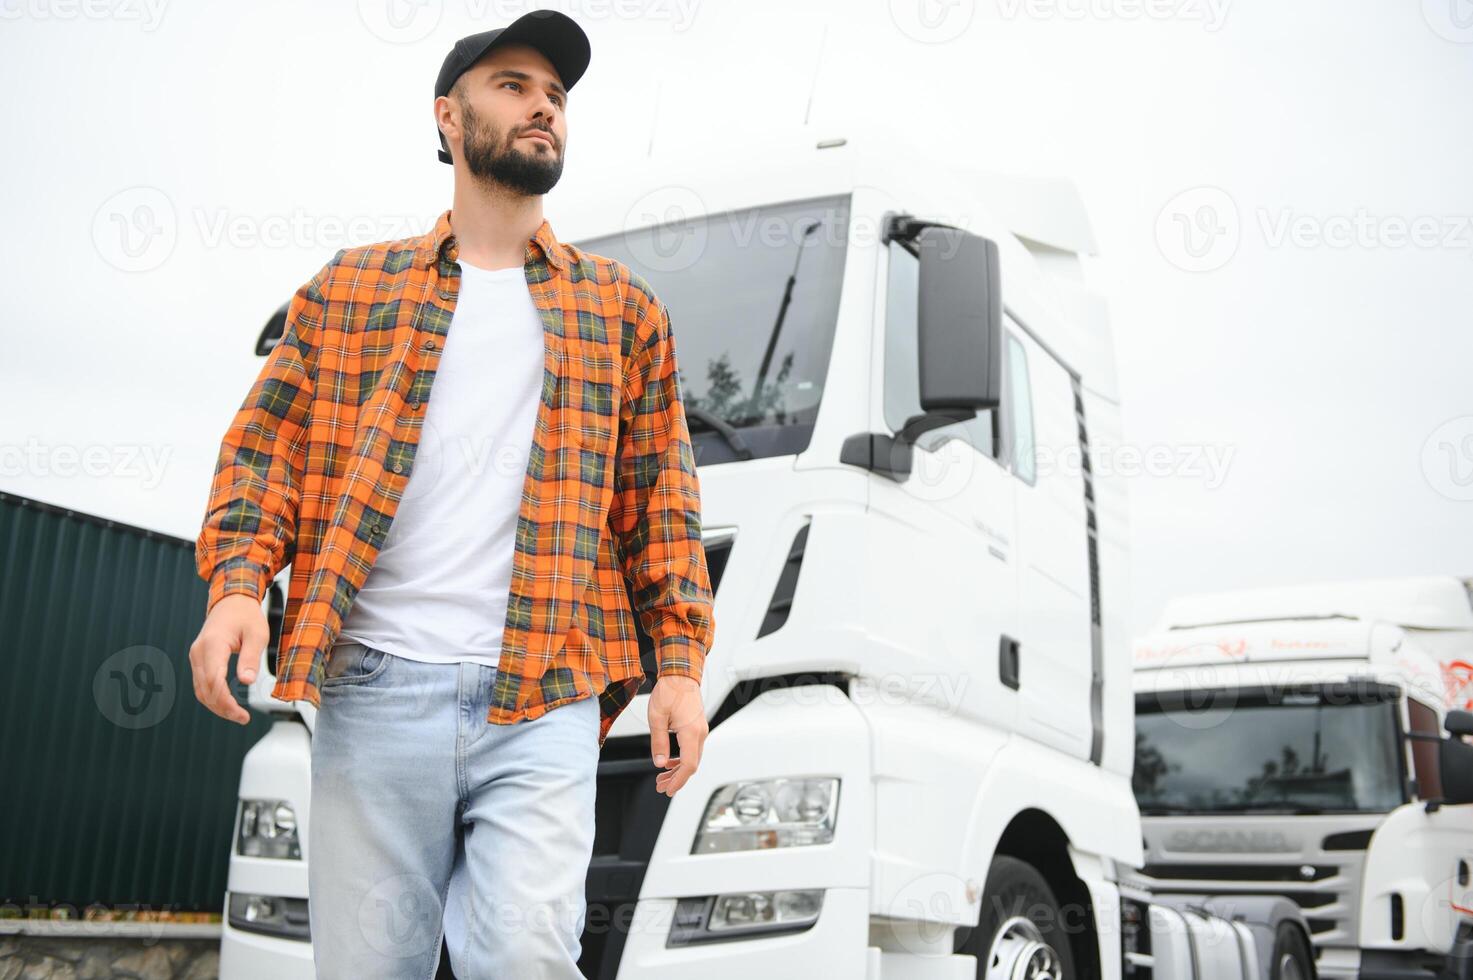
[354, 663]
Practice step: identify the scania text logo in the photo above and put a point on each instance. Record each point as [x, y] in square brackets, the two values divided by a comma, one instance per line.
[1230, 841]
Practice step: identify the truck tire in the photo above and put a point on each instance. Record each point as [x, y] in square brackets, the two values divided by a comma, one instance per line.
[1292, 957]
[1020, 931]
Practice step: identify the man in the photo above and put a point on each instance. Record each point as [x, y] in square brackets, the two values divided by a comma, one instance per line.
[467, 444]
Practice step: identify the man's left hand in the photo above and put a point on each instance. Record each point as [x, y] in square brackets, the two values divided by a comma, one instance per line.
[675, 706]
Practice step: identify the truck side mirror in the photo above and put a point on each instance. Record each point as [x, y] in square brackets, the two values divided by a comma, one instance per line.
[1459, 722]
[1455, 759]
[272, 333]
[959, 321]
[959, 343]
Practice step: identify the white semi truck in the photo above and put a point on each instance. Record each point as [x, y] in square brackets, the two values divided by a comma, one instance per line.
[920, 705]
[1292, 740]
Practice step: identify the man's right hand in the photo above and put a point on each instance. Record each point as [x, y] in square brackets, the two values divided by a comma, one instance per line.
[237, 624]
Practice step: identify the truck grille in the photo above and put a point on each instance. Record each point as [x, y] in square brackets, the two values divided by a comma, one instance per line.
[1320, 873]
[1328, 899]
[628, 816]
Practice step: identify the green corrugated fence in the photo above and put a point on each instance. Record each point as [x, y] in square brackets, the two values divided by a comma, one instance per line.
[119, 786]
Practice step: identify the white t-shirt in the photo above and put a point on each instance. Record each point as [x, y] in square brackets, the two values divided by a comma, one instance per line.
[437, 592]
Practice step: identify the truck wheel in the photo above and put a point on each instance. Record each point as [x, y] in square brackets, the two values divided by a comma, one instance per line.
[1020, 931]
[1292, 958]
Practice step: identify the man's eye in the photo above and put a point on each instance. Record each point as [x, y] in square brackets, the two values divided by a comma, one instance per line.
[557, 100]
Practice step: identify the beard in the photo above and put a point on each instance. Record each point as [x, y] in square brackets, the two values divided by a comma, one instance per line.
[491, 154]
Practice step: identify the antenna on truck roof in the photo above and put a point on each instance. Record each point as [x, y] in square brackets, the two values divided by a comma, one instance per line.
[817, 70]
[654, 122]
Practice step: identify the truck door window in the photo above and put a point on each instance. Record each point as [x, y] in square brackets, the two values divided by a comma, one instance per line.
[1020, 411]
[902, 395]
[1424, 738]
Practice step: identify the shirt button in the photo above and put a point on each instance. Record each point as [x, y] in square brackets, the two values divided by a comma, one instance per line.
[414, 403]
[398, 467]
[429, 345]
[445, 295]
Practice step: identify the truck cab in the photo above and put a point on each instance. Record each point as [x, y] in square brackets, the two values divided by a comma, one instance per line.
[1295, 741]
[920, 705]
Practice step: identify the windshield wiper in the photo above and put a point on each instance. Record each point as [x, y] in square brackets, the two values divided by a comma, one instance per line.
[724, 428]
[782, 314]
[1298, 809]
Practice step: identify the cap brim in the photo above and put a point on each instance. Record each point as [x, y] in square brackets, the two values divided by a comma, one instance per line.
[553, 33]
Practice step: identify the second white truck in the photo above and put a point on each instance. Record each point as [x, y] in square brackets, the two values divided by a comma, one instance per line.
[1307, 741]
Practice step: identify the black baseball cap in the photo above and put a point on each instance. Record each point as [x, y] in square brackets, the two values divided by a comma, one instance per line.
[552, 32]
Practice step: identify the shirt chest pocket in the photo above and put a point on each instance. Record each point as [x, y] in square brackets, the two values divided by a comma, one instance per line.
[588, 401]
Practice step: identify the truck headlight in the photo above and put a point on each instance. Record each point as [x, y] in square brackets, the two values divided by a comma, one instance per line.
[760, 814]
[743, 915]
[271, 915]
[268, 828]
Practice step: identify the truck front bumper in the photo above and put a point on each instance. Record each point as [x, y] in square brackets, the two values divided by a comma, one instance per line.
[248, 955]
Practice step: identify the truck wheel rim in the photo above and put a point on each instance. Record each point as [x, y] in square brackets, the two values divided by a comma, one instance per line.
[1019, 952]
[1289, 968]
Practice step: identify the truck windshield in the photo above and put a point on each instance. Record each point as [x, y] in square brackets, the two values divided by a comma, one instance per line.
[1296, 755]
[753, 298]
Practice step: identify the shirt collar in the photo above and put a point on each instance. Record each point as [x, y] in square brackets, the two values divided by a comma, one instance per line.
[439, 240]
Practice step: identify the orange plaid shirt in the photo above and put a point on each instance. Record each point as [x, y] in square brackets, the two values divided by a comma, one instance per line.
[316, 459]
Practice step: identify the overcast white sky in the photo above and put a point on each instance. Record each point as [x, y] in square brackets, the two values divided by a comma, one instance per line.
[1312, 335]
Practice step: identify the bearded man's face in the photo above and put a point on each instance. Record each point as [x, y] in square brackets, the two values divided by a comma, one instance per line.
[530, 166]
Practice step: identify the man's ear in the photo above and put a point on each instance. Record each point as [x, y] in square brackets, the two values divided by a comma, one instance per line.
[444, 139]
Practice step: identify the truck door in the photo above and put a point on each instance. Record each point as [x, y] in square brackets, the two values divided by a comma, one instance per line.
[952, 520]
[1055, 655]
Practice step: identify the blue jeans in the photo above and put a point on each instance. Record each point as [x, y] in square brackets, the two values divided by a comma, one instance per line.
[428, 821]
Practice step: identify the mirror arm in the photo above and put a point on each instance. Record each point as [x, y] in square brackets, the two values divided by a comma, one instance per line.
[904, 228]
[918, 425]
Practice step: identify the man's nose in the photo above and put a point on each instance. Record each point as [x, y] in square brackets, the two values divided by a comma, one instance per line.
[545, 112]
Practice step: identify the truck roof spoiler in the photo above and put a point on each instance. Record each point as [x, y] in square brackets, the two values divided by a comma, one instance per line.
[1040, 210]
[1424, 602]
